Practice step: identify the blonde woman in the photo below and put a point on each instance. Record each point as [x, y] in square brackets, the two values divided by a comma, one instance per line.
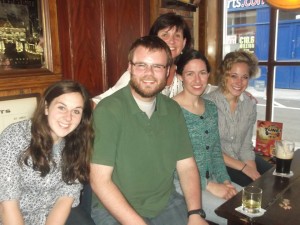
[237, 116]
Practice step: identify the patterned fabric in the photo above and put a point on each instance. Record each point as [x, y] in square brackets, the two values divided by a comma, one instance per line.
[35, 194]
[236, 128]
[175, 88]
[204, 135]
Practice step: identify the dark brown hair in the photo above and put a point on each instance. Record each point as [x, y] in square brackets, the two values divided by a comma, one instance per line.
[77, 151]
[151, 43]
[172, 20]
[188, 56]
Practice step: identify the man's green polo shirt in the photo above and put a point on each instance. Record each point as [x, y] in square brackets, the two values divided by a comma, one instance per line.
[142, 151]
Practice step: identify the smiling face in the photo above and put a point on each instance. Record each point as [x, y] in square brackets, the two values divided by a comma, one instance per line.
[147, 82]
[64, 114]
[174, 39]
[237, 79]
[194, 77]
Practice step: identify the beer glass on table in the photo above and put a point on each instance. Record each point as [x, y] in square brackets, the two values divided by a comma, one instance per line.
[251, 199]
[284, 152]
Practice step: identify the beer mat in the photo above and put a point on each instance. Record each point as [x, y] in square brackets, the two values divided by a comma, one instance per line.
[260, 213]
[283, 174]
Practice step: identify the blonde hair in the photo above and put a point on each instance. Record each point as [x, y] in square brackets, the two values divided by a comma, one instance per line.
[238, 56]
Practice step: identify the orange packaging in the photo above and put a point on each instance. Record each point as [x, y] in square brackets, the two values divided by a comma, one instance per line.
[267, 133]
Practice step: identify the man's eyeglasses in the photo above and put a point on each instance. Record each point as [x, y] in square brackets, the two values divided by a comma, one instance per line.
[142, 67]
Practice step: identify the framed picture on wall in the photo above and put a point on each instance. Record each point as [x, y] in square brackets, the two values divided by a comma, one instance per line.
[27, 42]
[17, 108]
[187, 5]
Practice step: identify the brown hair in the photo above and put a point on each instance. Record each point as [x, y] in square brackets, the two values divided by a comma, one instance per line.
[77, 151]
[170, 20]
[151, 43]
[189, 55]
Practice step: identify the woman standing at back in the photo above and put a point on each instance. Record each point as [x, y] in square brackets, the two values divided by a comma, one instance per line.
[173, 30]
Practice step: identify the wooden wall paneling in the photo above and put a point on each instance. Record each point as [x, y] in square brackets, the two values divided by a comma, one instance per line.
[211, 33]
[202, 33]
[124, 22]
[10, 86]
[64, 37]
[80, 34]
[86, 43]
[154, 10]
[51, 36]
[96, 36]
[196, 29]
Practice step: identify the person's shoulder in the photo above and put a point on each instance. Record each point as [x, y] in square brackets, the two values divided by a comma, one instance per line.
[210, 106]
[122, 82]
[18, 129]
[215, 92]
[209, 103]
[170, 102]
[170, 107]
[20, 125]
[210, 88]
[248, 99]
[213, 95]
[116, 99]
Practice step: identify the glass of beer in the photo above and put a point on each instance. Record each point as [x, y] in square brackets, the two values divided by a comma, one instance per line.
[251, 199]
[284, 152]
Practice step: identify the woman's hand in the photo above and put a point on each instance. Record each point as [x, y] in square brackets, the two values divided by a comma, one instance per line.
[251, 171]
[60, 212]
[225, 191]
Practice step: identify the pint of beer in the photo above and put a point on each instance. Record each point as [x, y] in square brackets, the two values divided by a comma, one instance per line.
[284, 152]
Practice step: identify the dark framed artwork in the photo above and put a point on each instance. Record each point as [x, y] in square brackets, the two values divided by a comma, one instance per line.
[25, 36]
[187, 5]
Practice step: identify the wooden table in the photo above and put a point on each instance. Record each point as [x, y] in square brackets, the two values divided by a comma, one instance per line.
[275, 189]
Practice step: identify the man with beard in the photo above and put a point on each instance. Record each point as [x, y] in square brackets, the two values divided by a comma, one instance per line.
[140, 140]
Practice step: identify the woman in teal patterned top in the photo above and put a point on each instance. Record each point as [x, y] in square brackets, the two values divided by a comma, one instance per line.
[201, 117]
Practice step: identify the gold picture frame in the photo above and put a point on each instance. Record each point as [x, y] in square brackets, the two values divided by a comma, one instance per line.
[28, 38]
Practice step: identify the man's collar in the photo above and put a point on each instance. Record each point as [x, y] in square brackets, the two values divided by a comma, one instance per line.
[160, 107]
